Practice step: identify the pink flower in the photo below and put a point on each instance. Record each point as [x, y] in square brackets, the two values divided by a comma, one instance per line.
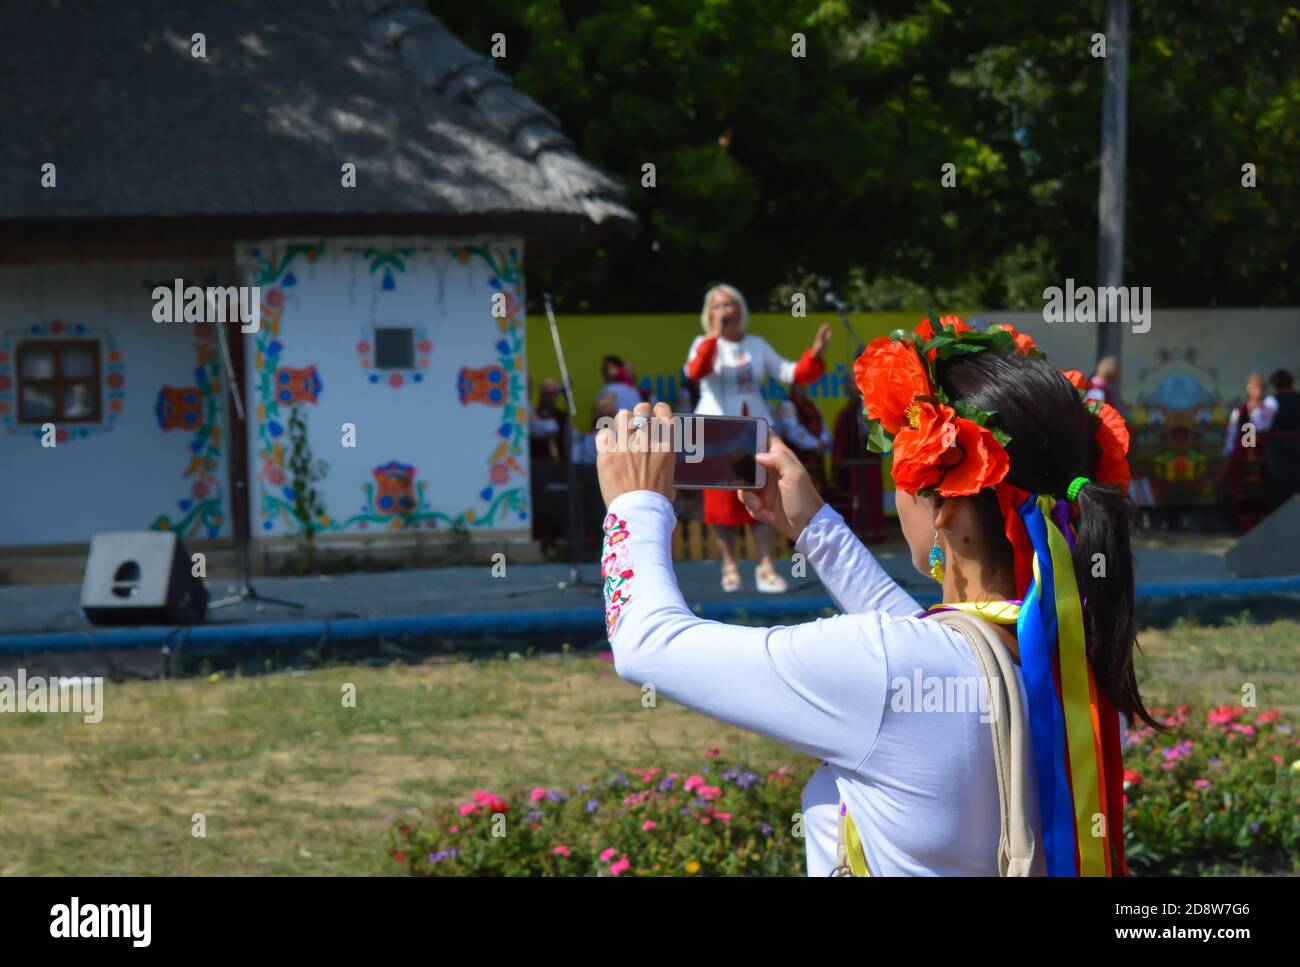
[710, 792]
[648, 825]
[725, 817]
[622, 866]
[1202, 784]
[468, 809]
[1265, 717]
[560, 850]
[606, 854]
[536, 794]
[1132, 777]
[1277, 759]
[693, 781]
[454, 829]
[712, 752]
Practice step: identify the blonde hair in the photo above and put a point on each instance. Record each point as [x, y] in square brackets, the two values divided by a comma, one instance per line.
[735, 294]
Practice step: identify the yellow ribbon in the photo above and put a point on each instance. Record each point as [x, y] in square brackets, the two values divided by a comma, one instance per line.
[857, 854]
[1075, 698]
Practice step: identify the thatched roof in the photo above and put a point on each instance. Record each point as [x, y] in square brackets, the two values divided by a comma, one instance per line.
[289, 91]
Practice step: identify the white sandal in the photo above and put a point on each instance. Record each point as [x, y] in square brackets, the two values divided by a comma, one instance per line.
[731, 577]
[768, 581]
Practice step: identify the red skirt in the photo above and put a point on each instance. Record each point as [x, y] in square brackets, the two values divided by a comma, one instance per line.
[723, 508]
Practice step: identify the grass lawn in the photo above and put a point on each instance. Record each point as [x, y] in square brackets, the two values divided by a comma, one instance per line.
[292, 782]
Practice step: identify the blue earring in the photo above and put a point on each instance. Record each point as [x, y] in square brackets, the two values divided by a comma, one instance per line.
[936, 560]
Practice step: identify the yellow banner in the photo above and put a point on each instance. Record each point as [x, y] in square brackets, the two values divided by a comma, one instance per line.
[655, 346]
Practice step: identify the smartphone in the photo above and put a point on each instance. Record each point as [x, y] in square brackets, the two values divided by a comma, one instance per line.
[717, 452]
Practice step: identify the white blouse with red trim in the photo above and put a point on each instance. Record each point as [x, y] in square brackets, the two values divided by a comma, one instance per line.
[731, 385]
[882, 697]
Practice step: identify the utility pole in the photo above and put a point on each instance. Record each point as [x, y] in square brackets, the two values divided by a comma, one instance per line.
[1114, 153]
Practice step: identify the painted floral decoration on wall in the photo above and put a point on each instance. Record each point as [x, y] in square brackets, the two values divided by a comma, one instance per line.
[197, 409]
[501, 384]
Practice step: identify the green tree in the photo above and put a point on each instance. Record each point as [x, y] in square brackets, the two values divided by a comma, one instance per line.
[776, 171]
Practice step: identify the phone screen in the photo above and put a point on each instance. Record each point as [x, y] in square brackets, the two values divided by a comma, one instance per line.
[717, 452]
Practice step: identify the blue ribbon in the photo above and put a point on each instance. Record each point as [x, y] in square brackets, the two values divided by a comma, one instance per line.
[1036, 630]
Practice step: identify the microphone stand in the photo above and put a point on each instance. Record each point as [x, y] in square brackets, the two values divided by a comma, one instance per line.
[246, 591]
[843, 311]
[573, 502]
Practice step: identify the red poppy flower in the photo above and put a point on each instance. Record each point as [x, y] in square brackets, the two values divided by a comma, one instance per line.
[919, 446]
[1112, 435]
[926, 329]
[983, 462]
[954, 455]
[1076, 378]
[1024, 342]
[890, 376]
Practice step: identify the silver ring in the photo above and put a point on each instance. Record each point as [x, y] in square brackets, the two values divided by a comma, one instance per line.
[640, 421]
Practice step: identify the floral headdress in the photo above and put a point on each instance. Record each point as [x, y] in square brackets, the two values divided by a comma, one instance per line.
[940, 445]
[947, 447]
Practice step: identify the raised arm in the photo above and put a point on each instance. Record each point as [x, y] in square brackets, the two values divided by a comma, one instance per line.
[818, 687]
[850, 572]
[810, 366]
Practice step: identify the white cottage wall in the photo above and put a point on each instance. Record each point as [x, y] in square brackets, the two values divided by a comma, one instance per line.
[436, 442]
[156, 459]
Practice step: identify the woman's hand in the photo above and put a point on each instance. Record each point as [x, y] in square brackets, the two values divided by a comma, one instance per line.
[628, 458]
[789, 500]
[820, 341]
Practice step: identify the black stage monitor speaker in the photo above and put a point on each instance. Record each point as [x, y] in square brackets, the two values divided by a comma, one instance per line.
[141, 577]
[1269, 549]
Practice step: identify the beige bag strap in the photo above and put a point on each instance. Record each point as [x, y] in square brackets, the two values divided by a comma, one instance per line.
[1010, 739]
[1010, 749]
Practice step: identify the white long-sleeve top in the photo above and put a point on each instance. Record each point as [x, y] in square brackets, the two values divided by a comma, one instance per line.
[849, 690]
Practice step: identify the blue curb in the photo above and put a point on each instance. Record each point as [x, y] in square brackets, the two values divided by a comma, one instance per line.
[319, 632]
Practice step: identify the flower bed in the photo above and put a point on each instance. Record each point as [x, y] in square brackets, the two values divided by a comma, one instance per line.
[1217, 793]
[718, 819]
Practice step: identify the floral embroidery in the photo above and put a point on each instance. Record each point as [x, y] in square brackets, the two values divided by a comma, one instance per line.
[615, 571]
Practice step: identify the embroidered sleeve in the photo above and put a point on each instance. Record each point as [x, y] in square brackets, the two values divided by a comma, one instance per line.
[616, 571]
[817, 687]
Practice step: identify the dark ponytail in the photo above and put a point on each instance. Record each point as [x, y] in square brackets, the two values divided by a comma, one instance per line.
[1052, 442]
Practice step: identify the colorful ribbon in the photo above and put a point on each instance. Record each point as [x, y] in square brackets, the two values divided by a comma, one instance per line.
[1073, 727]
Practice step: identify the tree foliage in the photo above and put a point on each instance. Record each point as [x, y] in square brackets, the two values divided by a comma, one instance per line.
[779, 173]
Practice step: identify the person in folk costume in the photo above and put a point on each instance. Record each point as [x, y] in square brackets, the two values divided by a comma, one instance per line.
[731, 366]
[1009, 485]
[547, 424]
[1245, 479]
[1283, 451]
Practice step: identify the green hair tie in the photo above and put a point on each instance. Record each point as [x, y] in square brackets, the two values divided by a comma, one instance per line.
[1076, 485]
